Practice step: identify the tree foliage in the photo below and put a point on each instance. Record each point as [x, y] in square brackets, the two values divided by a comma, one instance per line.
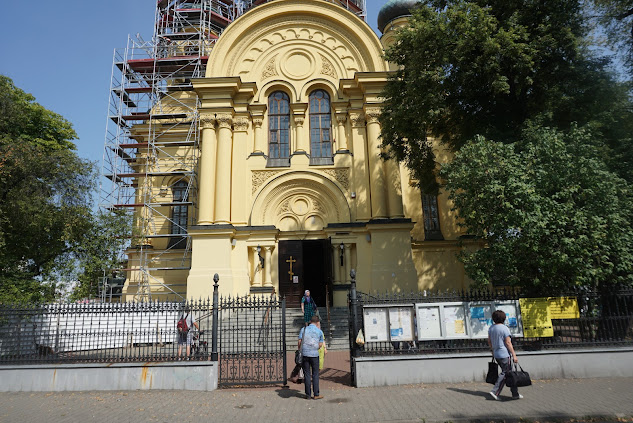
[45, 199]
[616, 17]
[550, 212]
[489, 67]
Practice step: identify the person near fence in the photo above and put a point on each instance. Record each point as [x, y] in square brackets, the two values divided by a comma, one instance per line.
[185, 338]
[308, 307]
[310, 340]
[500, 342]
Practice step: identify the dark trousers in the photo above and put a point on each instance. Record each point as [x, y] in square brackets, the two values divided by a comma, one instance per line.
[311, 374]
[506, 366]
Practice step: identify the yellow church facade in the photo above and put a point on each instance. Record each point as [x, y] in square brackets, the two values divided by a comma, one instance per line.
[289, 190]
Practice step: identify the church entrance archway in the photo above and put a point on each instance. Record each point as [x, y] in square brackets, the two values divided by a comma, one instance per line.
[305, 265]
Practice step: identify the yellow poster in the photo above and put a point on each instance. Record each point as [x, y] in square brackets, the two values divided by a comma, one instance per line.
[537, 321]
[563, 308]
[459, 326]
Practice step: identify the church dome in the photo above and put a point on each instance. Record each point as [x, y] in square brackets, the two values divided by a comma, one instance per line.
[394, 9]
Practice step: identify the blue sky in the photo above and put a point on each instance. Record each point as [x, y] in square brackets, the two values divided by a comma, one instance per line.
[61, 52]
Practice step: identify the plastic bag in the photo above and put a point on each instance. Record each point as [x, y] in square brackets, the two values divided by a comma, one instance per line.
[360, 338]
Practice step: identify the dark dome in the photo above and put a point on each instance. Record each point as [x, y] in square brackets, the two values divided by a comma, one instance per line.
[394, 9]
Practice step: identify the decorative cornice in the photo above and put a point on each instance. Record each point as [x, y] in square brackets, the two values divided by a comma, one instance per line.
[225, 120]
[240, 124]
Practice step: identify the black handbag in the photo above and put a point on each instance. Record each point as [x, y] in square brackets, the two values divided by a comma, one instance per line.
[298, 353]
[518, 377]
[493, 372]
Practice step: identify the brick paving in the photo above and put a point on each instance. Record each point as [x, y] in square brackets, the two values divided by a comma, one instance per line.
[546, 400]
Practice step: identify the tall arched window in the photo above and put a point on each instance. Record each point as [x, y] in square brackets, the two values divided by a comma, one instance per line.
[431, 215]
[279, 129]
[179, 215]
[320, 128]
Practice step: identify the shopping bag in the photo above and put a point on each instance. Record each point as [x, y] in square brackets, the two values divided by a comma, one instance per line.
[518, 377]
[493, 372]
[321, 356]
[298, 357]
[360, 338]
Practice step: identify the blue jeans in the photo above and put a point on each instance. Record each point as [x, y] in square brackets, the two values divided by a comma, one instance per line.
[311, 375]
[506, 366]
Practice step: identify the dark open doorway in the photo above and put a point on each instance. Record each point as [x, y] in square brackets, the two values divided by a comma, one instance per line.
[305, 265]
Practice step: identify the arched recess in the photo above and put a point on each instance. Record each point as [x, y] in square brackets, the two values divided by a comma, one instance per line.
[313, 34]
[300, 201]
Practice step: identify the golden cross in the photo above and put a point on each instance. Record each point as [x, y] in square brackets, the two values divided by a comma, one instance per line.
[290, 272]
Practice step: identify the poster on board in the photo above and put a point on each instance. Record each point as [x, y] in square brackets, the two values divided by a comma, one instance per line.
[454, 320]
[429, 323]
[563, 308]
[513, 316]
[375, 324]
[480, 318]
[401, 324]
[536, 317]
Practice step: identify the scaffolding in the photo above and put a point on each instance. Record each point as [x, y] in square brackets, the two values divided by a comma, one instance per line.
[152, 138]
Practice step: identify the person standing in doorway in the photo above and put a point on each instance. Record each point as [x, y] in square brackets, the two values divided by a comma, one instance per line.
[500, 342]
[310, 340]
[308, 307]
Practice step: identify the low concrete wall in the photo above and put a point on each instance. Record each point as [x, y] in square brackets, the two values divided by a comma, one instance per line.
[193, 376]
[456, 368]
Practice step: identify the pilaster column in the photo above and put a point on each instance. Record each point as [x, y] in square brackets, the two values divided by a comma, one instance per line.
[394, 189]
[377, 173]
[257, 270]
[223, 169]
[239, 197]
[341, 118]
[348, 262]
[301, 143]
[360, 167]
[267, 265]
[259, 145]
[336, 264]
[207, 173]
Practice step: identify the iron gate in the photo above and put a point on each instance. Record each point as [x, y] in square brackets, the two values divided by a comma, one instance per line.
[252, 341]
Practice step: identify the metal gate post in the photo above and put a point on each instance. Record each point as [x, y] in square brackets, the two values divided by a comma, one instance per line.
[354, 305]
[283, 338]
[214, 340]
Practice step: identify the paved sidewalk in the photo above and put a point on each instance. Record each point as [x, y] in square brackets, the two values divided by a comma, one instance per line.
[544, 401]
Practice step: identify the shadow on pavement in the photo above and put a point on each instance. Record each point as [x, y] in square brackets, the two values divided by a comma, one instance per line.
[289, 393]
[474, 393]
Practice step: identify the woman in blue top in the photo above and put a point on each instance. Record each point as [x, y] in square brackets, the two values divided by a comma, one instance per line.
[500, 342]
[308, 307]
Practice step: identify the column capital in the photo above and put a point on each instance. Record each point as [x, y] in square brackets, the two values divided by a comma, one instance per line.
[258, 121]
[225, 120]
[240, 124]
[299, 119]
[357, 118]
[372, 113]
[207, 121]
[341, 118]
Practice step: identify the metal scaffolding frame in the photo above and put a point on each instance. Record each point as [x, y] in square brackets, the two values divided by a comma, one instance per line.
[152, 134]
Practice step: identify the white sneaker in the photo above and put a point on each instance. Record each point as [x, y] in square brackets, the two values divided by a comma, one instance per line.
[517, 397]
[492, 394]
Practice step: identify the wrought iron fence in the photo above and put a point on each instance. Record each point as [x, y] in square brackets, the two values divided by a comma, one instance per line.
[252, 341]
[606, 319]
[102, 332]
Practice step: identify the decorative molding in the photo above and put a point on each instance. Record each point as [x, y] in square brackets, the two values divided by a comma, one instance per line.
[285, 207]
[372, 115]
[358, 119]
[341, 118]
[225, 120]
[299, 120]
[339, 175]
[270, 69]
[327, 68]
[207, 121]
[260, 176]
[240, 124]
[258, 121]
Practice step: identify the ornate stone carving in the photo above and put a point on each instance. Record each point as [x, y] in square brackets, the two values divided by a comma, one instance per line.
[225, 120]
[299, 119]
[339, 175]
[207, 121]
[358, 119]
[258, 121]
[341, 118]
[327, 68]
[270, 69]
[372, 115]
[261, 176]
[240, 124]
[285, 207]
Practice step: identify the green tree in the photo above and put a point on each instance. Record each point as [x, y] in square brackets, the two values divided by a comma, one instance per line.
[616, 18]
[45, 197]
[489, 67]
[550, 213]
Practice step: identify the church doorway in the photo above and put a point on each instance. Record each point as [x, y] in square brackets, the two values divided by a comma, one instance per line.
[305, 265]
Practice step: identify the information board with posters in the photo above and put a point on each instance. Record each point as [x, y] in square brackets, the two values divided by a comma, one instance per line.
[537, 321]
[401, 324]
[454, 321]
[480, 317]
[429, 322]
[376, 324]
[563, 308]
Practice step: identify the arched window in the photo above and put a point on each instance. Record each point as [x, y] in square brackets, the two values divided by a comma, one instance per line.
[179, 215]
[320, 128]
[278, 129]
[431, 215]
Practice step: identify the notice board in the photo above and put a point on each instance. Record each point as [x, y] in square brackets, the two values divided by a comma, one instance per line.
[537, 321]
[376, 324]
[401, 324]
